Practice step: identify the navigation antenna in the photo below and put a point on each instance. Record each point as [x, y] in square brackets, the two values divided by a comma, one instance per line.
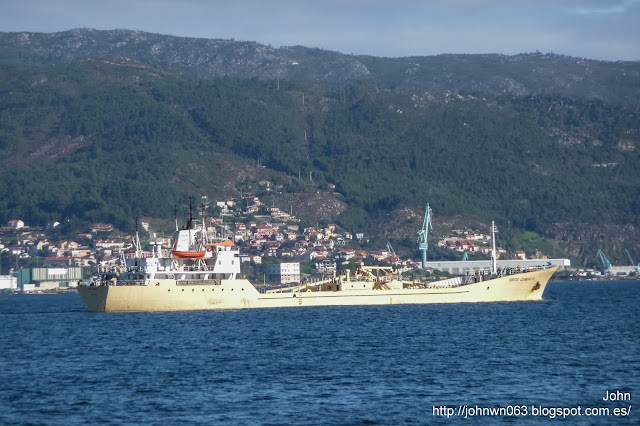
[423, 245]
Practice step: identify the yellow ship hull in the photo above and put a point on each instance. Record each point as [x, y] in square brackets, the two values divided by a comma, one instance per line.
[168, 295]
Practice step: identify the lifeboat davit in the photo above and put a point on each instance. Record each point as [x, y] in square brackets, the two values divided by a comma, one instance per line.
[189, 254]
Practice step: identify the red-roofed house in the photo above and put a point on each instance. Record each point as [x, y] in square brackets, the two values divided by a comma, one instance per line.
[17, 224]
[101, 227]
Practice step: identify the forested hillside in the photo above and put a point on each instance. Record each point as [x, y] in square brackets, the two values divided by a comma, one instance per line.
[120, 137]
[110, 138]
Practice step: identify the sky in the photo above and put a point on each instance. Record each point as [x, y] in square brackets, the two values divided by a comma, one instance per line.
[594, 29]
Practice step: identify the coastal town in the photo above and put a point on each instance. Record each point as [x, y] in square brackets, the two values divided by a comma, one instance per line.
[273, 246]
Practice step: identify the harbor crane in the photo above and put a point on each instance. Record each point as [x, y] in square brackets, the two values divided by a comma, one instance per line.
[390, 248]
[637, 267]
[423, 245]
[604, 260]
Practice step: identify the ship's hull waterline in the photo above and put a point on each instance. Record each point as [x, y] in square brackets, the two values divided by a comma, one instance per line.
[168, 295]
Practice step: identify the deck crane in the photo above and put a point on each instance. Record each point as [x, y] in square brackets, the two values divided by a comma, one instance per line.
[637, 267]
[423, 245]
[604, 260]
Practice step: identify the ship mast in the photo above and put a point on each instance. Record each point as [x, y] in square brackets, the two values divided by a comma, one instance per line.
[494, 263]
[137, 241]
[190, 221]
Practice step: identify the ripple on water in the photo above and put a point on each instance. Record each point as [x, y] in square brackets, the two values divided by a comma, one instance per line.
[333, 365]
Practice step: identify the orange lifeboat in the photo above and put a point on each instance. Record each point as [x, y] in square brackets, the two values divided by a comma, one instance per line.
[189, 254]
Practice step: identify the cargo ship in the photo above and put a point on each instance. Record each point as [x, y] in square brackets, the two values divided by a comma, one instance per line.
[194, 274]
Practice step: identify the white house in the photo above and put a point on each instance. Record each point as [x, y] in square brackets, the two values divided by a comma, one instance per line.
[285, 273]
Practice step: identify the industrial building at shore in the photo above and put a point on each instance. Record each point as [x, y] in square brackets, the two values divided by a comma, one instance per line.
[462, 267]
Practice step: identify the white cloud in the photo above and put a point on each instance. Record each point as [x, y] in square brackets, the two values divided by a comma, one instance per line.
[618, 8]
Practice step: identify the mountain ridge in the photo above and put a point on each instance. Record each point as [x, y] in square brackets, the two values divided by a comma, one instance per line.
[493, 74]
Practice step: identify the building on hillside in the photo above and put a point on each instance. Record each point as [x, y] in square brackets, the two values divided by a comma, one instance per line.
[272, 248]
[110, 244]
[284, 252]
[16, 224]
[263, 231]
[58, 261]
[101, 227]
[285, 273]
[324, 264]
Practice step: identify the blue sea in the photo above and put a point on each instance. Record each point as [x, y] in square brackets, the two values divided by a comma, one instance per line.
[61, 364]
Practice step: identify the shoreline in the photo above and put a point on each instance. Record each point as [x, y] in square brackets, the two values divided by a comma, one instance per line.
[572, 279]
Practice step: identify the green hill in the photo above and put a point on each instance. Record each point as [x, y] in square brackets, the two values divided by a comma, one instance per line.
[115, 133]
[108, 138]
